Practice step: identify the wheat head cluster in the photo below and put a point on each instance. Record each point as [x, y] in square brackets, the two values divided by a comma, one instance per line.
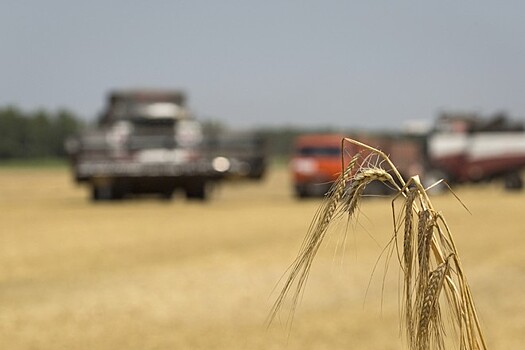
[436, 299]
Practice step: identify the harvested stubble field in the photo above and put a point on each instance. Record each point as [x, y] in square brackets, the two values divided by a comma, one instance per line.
[147, 274]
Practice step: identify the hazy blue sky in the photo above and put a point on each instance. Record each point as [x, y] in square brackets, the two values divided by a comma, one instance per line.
[341, 63]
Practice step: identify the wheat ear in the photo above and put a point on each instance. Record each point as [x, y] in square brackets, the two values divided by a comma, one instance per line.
[430, 261]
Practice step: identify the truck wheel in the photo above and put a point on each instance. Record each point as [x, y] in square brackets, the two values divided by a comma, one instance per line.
[513, 182]
[99, 193]
[197, 190]
[301, 192]
[105, 193]
[167, 195]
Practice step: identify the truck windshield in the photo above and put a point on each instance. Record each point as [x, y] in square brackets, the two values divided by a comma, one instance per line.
[319, 151]
[157, 110]
[150, 110]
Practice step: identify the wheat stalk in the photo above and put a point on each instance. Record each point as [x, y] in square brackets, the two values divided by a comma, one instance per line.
[429, 258]
[429, 311]
[408, 257]
[300, 268]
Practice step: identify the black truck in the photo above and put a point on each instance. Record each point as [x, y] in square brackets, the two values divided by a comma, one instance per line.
[146, 142]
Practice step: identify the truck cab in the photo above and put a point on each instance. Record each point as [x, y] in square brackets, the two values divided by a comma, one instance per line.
[315, 163]
[146, 141]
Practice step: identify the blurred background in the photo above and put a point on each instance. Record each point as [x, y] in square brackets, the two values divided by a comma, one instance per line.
[160, 165]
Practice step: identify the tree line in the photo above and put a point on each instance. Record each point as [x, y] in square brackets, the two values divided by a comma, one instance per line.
[37, 134]
[42, 133]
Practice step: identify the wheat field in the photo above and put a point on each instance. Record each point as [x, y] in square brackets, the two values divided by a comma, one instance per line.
[149, 274]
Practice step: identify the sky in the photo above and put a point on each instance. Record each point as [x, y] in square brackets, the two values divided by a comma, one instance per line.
[362, 64]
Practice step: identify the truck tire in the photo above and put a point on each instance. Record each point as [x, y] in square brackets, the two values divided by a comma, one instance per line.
[100, 193]
[105, 193]
[301, 192]
[167, 195]
[197, 190]
[513, 182]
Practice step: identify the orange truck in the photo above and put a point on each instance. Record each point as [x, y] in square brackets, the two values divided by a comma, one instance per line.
[315, 163]
[317, 160]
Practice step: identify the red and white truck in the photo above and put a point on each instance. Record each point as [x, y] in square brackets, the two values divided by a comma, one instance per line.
[465, 148]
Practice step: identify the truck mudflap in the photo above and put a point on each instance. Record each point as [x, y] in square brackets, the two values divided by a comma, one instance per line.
[86, 170]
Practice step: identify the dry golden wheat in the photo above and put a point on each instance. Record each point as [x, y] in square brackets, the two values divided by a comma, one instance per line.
[300, 268]
[358, 184]
[408, 257]
[430, 261]
[428, 309]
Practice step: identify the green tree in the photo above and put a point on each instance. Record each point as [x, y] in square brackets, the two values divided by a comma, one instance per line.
[37, 134]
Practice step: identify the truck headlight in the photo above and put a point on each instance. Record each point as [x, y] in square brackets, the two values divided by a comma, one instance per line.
[221, 164]
[304, 166]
